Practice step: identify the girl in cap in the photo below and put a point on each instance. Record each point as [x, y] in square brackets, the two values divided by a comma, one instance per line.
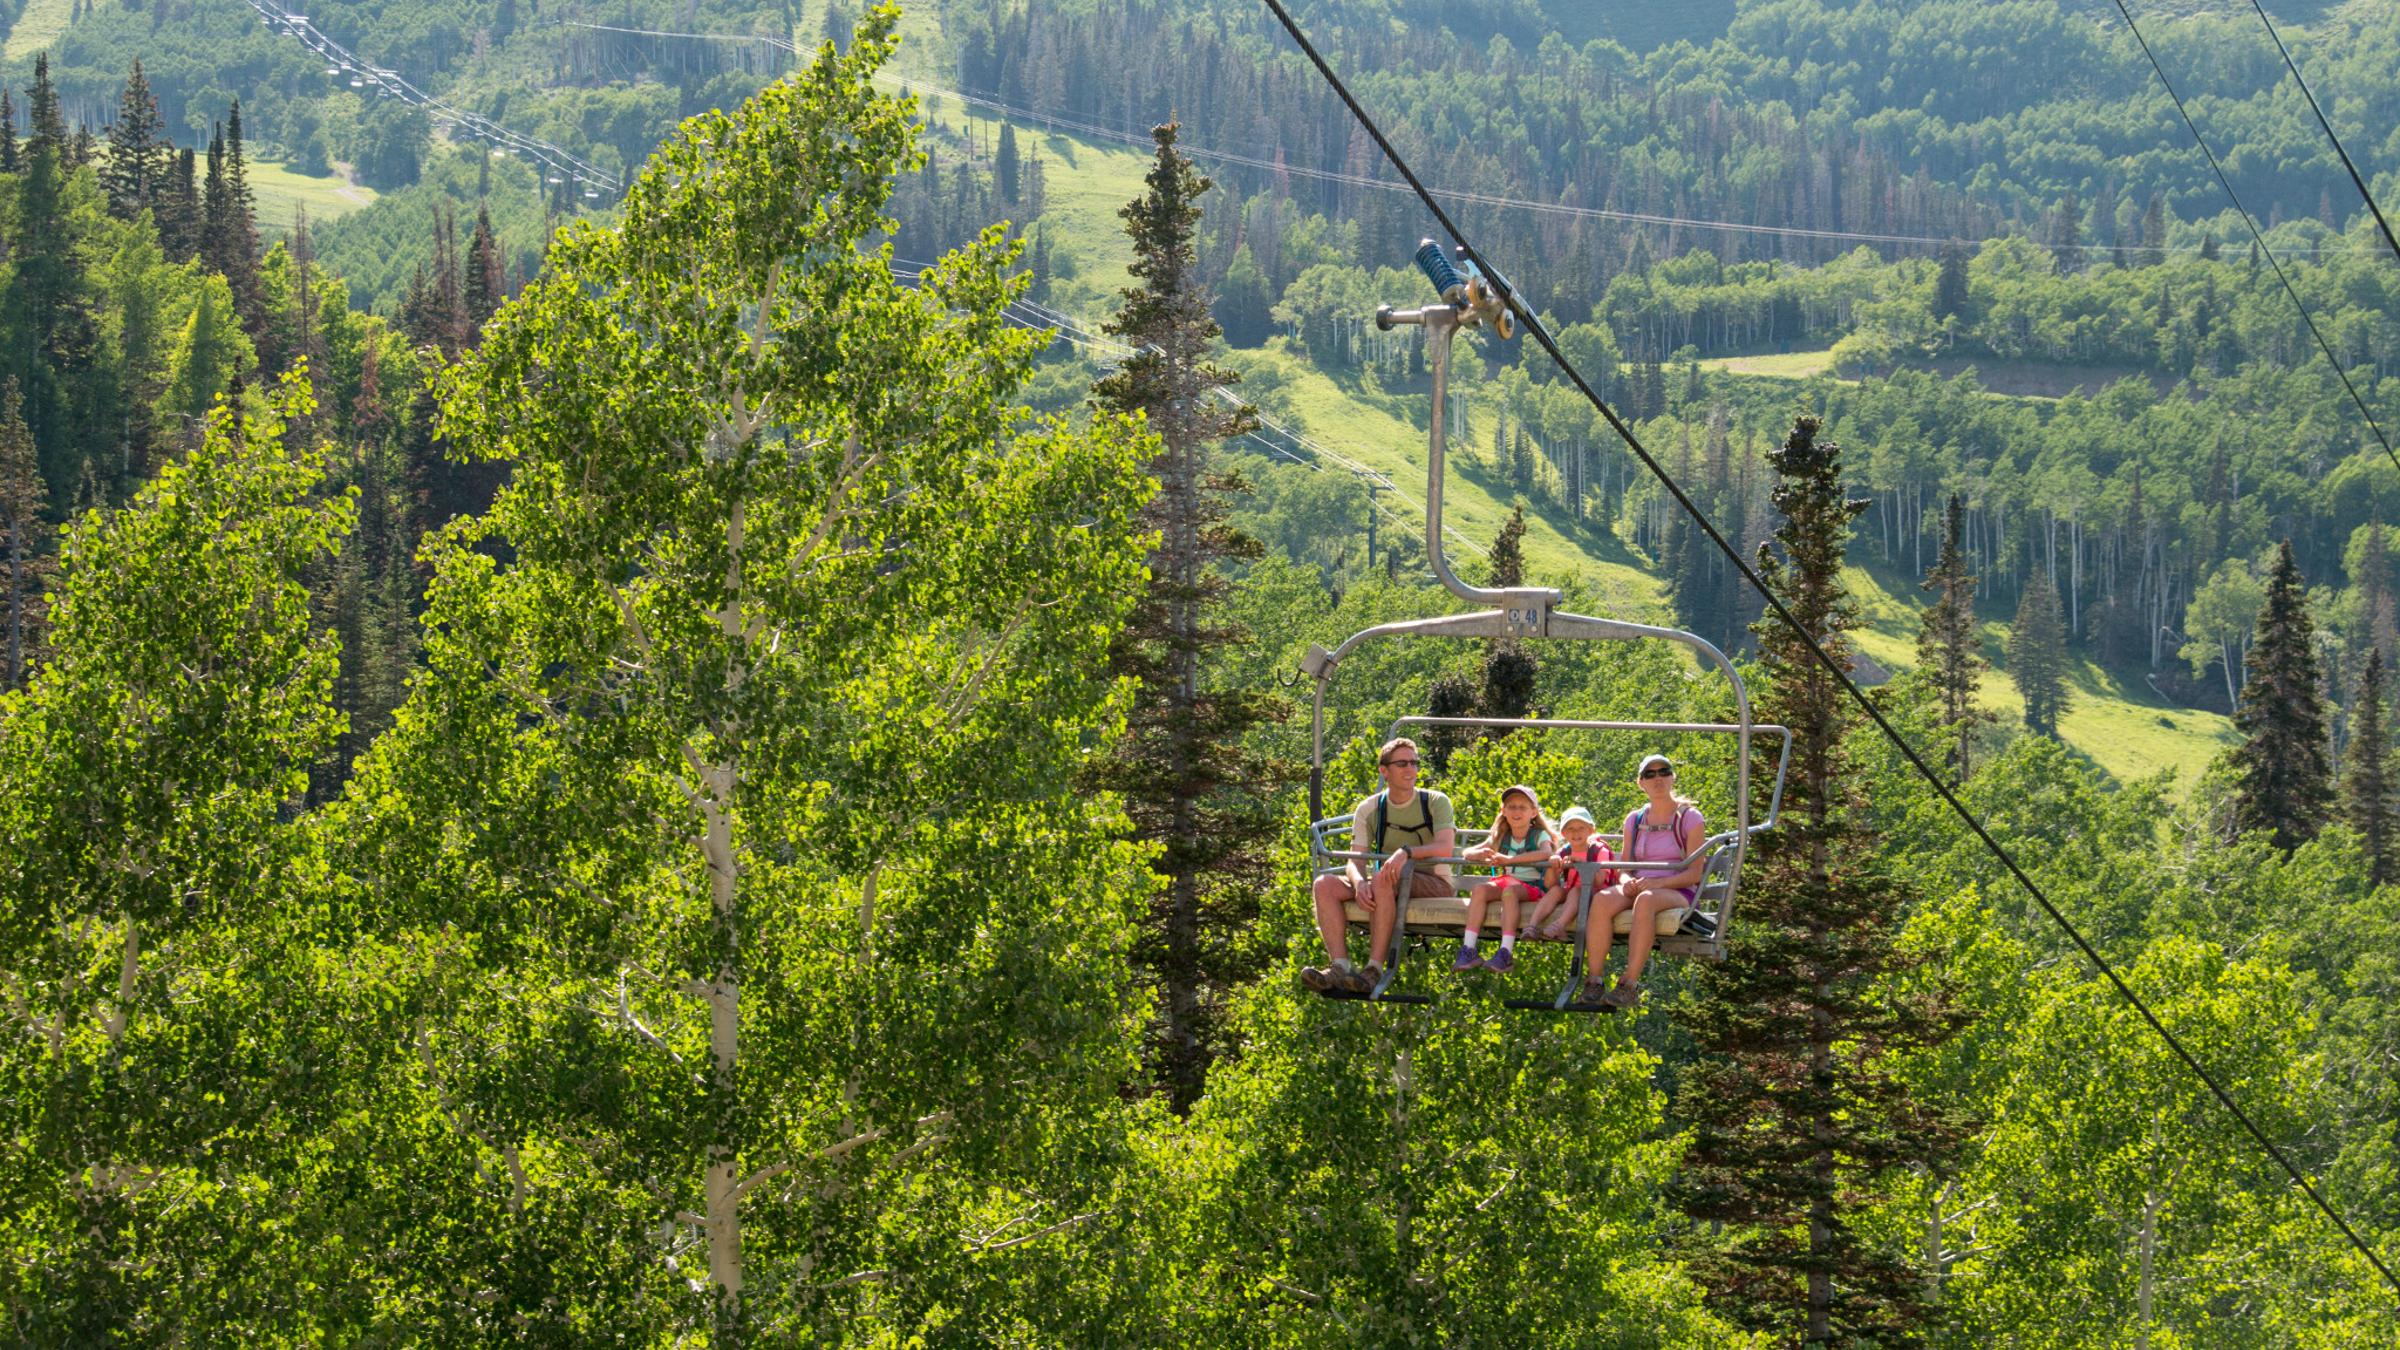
[1521, 840]
[1665, 829]
[1582, 844]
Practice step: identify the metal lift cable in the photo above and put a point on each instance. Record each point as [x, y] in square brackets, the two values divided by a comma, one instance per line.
[2310, 95]
[2260, 239]
[1533, 325]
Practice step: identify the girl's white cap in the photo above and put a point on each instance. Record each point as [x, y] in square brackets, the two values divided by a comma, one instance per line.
[1530, 794]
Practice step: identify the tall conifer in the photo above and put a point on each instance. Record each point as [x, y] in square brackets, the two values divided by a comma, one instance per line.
[1186, 777]
[240, 256]
[2369, 802]
[483, 287]
[1796, 1113]
[2037, 655]
[9, 160]
[1950, 646]
[24, 531]
[179, 211]
[1950, 284]
[1509, 669]
[140, 158]
[2283, 763]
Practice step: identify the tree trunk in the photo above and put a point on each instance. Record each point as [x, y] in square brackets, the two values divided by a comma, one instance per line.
[724, 1222]
[16, 607]
[2147, 1289]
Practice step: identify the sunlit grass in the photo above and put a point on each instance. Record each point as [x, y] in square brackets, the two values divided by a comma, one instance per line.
[1774, 365]
[2126, 728]
[37, 27]
[281, 194]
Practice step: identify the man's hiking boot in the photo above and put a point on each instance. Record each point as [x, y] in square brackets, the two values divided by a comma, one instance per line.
[1622, 997]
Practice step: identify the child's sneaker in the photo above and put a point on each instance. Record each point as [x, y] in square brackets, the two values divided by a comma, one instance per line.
[1500, 962]
[1467, 960]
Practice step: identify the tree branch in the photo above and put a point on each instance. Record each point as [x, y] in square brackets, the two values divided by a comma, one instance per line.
[113, 1021]
[1034, 1236]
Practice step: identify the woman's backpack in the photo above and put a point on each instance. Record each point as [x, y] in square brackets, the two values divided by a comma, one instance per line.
[1634, 822]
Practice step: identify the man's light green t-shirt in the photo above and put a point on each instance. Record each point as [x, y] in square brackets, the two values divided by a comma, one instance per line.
[1407, 825]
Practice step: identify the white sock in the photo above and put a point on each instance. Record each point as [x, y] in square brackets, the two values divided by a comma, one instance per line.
[1468, 938]
[1508, 941]
[1341, 963]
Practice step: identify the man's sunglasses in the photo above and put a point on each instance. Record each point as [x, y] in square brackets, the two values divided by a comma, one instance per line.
[1399, 763]
[1658, 773]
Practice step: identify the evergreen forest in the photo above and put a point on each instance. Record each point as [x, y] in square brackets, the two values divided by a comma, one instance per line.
[653, 671]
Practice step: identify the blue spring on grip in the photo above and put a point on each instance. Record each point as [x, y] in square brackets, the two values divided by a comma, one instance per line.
[1437, 269]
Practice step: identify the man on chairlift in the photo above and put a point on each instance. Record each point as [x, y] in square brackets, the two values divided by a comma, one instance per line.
[1394, 825]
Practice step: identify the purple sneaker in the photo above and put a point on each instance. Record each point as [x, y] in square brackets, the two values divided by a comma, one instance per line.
[1500, 962]
[1467, 960]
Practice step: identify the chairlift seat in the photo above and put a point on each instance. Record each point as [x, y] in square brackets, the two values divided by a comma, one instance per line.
[1440, 916]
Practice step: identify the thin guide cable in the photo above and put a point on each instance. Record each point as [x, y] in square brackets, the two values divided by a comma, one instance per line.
[1533, 325]
[2261, 240]
[2310, 95]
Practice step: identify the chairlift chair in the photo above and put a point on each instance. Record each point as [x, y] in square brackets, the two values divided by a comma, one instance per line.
[1468, 299]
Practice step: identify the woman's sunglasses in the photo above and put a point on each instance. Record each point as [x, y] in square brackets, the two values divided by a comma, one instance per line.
[1658, 773]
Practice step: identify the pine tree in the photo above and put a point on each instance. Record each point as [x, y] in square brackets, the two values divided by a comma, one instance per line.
[1188, 780]
[1950, 645]
[10, 162]
[1006, 165]
[2282, 765]
[1509, 669]
[1950, 285]
[2066, 234]
[240, 253]
[179, 212]
[141, 161]
[23, 502]
[2037, 655]
[216, 207]
[2370, 798]
[44, 123]
[484, 288]
[2154, 231]
[1797, 1116]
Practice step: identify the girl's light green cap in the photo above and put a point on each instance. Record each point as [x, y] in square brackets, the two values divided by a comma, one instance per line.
[1576, 813]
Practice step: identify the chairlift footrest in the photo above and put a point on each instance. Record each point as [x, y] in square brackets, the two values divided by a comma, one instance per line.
[1344, 994]
[1550, 1005]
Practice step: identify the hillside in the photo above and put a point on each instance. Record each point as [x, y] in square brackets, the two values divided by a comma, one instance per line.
[2125, 727]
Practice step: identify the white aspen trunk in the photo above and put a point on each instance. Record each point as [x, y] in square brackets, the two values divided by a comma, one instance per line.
[1933, 1249]
[2075, 576]
[724, 1222]
[16, 606]
[717, 789]
[2146, 1290]
[129, 970]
